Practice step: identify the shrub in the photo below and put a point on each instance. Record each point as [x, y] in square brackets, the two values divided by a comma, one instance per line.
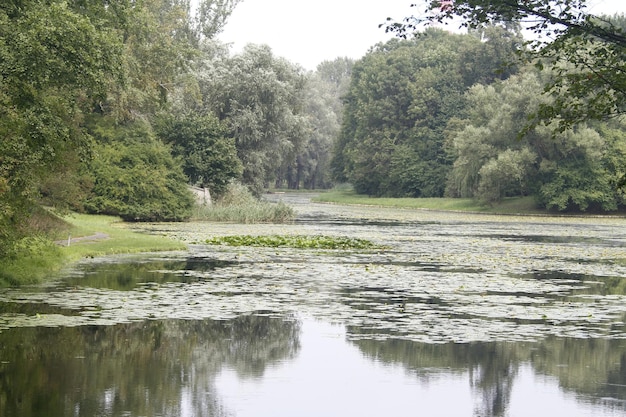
[135, 177]
[34, 258]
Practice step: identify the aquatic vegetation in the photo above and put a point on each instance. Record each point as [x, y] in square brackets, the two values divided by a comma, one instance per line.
[256, 212]
[294, 241]
[238, 205]
[441, 277]
[496, 295]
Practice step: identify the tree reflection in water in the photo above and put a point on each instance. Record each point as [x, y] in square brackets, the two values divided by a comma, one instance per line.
[147, 368]
[493, 375]
[593, 369]
[484, 304]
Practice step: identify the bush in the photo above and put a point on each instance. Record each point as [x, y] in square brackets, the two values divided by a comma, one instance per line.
[135, 177]
[34, 257]
[578, 187]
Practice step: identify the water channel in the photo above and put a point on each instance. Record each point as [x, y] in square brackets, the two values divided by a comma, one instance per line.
[453, 315]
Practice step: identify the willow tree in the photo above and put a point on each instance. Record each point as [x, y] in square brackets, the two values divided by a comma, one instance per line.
[576, 169]
[261, 99]
[323, 109]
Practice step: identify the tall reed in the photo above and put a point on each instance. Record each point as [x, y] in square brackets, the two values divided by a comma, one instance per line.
[238, 205]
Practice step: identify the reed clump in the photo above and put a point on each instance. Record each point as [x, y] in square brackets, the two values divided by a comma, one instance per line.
[239, 205]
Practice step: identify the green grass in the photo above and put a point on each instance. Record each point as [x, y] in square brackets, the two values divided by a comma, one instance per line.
[248, 213]
[39, 258]
[121, 238]
[238, 205]
[521, 205]
[36, 257]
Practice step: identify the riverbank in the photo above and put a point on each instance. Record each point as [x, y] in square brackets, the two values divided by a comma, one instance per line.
[348, 196]
[94, 235]
[525, 206]
[87, 236]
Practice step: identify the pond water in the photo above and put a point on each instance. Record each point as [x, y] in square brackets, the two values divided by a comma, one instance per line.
[455, 315]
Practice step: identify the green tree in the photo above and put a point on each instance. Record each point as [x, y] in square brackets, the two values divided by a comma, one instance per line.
[506, 175]
[401, 98]
[576, 169]
[208, 155]
[494, 57]
[574, 176]
[162, 38]
[494, 116]
[260, 97]
[585, 52]
[61, 61]
[54, 63]
[323, 108]
[211, 16]
[135, 176]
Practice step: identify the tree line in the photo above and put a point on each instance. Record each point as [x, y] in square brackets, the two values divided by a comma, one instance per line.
[115, 107]
[489, 115]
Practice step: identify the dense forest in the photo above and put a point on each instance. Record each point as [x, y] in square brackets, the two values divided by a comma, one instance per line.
[115, 107]
[441, 115]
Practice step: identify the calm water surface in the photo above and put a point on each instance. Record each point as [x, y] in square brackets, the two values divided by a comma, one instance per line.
[457, 315]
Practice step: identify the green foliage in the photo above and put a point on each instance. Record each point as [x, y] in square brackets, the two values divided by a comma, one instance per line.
[506, 175]
[294, 241]
[584, 52]
[57, 48]
[161, 39]
[212, 15]
[136, 177]
[401, 98]
[62, 61]
[614, 158]
[34, 258]
[576, 169]
[573, 186]
[209, 157]
[30, 256]
[323, 109]
[260, 97]
[237, 194]
[238, 205]
[53, 61]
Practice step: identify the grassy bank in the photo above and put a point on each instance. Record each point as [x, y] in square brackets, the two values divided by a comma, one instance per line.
[119, 238]
[80, 236]
[521, 205]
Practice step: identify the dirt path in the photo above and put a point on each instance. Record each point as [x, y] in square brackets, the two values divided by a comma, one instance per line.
[91, 238]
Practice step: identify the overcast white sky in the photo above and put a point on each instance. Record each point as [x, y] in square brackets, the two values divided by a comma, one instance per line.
[308, 32]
